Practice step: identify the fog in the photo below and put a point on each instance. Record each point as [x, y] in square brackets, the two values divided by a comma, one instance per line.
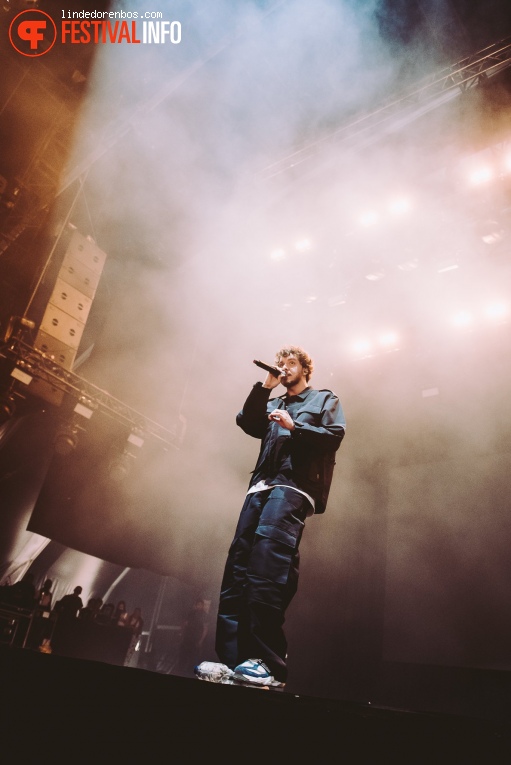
[204, 164]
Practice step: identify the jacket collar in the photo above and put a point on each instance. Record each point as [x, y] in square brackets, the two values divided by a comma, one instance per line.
[300, 397]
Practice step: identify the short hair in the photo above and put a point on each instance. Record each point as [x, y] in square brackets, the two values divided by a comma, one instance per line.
[302, 356]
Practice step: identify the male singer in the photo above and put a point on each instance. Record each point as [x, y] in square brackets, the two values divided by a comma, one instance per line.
[300, 432]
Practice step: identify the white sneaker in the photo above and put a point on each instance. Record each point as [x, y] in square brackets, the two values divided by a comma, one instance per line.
[255, 672]
[214, 672]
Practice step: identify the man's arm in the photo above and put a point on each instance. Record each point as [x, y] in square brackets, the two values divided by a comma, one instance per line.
[253, 418]
[329, 434]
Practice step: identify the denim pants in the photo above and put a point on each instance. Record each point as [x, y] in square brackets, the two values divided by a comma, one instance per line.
[260, 579]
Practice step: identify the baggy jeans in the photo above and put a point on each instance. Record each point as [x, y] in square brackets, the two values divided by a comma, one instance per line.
[260, 579]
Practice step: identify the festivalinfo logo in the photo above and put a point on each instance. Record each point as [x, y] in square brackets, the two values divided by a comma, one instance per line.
[34, 32]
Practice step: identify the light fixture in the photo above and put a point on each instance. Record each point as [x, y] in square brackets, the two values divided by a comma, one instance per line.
[409, 265]
[399, 206]
[84, 407]
[448, 267]
[302, 245]
[120, 466]
[463, 319]
[388, 339]
[362, 347]
[481, 175]
[66, 439]
[376, 275]
[369, 218]
[490, 231]
[497, 311]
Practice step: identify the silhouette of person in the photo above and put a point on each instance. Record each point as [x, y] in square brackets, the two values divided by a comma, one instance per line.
[44, 596]
[135, 622]
[88, 612]
[22, 594]
[105, 614]
[121, 615]
[70, 605]
[193, 632]
[41, 627]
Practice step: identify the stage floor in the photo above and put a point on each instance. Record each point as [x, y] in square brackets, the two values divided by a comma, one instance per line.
[54, 706]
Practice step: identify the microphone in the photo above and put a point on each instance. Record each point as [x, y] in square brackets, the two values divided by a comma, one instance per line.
[275, 371]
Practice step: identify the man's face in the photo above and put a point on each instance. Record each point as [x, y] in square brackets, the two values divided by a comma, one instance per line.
[293, 371]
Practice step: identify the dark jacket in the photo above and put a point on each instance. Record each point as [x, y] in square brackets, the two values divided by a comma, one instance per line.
[305, 457]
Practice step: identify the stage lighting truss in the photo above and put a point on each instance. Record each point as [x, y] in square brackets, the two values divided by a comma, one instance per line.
[30, 363]
[407, 106]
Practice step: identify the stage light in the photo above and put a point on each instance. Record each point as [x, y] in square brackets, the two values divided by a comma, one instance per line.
[278, 254]
[463, 319]
[490, 231]
[337, 300]
[135, 438]
[497, 311]
[120, 466]
[481, 175]
[388, 339]
[375, 276]
[362, 347]
[303, 245]
[84, 408]
[449, 267]
[409, 265]
[399, 206]
[66, 439]
[369, 218]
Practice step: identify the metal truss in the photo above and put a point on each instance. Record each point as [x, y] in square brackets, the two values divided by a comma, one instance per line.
[30, 363]
[39, 182]
[420, 98]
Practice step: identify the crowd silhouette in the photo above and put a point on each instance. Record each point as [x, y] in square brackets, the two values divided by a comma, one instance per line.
[29, 618]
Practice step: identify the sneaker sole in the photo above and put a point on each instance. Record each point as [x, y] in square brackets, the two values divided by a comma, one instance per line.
[215, 679]
[258, 682]
[249, 684]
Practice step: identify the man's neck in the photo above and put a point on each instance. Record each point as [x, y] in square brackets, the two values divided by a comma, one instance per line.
[295, 390]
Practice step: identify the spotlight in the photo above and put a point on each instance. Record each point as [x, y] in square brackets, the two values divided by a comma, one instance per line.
[490, 231]
[278, 254]
[369, 218]
[376, 275]
[388, 339]
[462, 319]
[481, 175]
[448, 267]
[497, 311]
[303, 245]
[409, 265]
[66, 440]
[399, 206]
[362, 347]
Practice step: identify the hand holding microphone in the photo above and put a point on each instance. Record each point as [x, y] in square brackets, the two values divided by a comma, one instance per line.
[273, 376]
